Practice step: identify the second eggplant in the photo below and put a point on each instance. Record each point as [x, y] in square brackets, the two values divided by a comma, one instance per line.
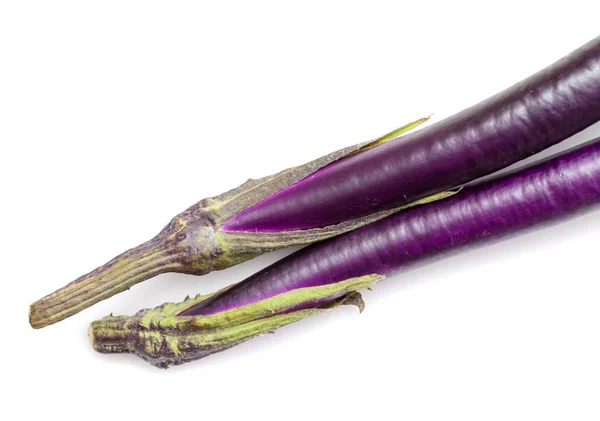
[328, 274]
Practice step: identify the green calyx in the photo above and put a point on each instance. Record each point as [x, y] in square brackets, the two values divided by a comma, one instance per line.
[193, 242]
[163, 338]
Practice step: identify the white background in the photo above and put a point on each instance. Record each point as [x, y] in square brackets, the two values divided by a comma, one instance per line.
[117, 115]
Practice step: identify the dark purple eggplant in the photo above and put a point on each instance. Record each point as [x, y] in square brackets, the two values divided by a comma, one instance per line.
[547, 191]
[354, 186]
[327, 274]
[522, 120]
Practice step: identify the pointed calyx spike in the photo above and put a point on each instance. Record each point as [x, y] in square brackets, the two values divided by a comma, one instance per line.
[394, 133]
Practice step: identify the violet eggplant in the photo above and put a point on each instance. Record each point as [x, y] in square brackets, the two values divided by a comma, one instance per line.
[352, 187]
[327, 274]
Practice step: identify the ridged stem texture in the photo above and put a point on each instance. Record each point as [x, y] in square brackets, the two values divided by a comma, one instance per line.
[163, 337]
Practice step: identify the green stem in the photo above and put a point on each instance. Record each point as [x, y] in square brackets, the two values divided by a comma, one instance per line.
[162, 337]
[136, 265]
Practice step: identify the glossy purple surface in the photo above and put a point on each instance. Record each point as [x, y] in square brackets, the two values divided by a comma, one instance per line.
[532, 115]
[547, 192]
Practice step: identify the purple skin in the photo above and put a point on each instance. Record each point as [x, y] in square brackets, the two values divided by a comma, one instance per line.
[532, 115]
[546, 192]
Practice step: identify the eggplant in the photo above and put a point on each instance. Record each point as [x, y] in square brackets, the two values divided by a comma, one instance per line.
[327, 274]
[352, 187]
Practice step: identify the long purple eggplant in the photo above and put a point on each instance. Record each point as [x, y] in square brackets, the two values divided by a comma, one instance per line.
[327, 274]
[354, 186]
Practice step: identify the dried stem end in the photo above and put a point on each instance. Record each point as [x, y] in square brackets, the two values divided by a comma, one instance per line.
[163, 338]
[121, 273]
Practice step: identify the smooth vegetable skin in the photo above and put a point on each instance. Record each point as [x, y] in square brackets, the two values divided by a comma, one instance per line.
[546, 192]
[327, 274]
[530, 116]
[352, 187]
